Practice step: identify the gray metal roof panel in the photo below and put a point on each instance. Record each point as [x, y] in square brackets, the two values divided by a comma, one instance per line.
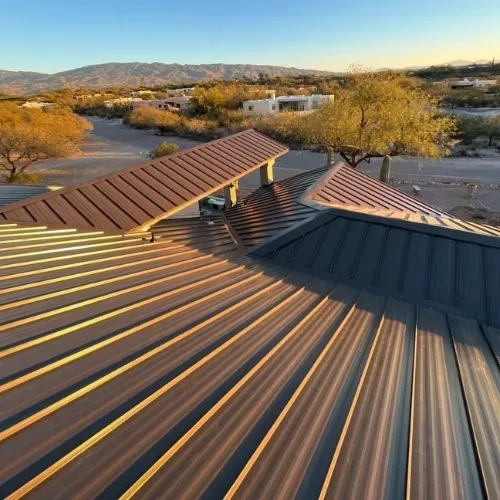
[11, 193]
[428, 264]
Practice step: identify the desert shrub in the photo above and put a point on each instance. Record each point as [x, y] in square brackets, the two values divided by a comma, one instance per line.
[23, 178]
[230, 118]
[163, 149]
[284, 127]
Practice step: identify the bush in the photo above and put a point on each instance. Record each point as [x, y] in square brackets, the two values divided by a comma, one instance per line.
[163, 149]
[229, 118]
[23, 178]
[284, 127]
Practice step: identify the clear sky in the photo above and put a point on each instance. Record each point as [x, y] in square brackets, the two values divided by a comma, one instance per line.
[51, 36]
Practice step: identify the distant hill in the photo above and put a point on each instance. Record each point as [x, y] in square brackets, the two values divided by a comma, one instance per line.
[135, 74]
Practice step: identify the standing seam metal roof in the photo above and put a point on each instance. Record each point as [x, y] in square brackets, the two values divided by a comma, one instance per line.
[182, 369]
[428, 264]
[272, 208]
[136, 198]
[11, 193]
[345, 187]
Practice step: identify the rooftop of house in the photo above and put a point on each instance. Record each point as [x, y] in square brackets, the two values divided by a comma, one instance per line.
[277, 350]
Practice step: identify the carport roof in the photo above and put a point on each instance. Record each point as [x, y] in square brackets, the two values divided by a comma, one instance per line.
[137, 197]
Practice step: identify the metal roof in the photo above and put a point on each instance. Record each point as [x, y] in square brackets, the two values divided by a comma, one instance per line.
[273, 208]
[347, 187]
[136, 198]
[182, 368]
[432, 265]
[10, 193]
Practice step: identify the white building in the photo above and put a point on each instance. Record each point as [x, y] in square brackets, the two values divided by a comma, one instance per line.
[185, 90]
[286, 103]
[36, 105]
[170, 104]
[139, 93]
[120, 101]
[477, 84]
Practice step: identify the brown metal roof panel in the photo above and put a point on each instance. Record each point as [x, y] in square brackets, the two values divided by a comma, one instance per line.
[130, 187]
[153, 189]
[343, 184]
[20, 215]
[248, 414]
[228, 168]
[42, 212]
[230, 157]
[119, 217]
[179, 191]
[200, 167]
[306, 432]
[439, 416]
[482, 396]
[199, 386]
[192, 183]
[126, 204]
[161, 399]
[91, 213]
[66, 212]
[373, 446]
[199, 173]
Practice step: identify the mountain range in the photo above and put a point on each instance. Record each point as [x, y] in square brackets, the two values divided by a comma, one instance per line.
[135, 74]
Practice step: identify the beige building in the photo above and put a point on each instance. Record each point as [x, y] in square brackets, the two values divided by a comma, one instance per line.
[170, 104]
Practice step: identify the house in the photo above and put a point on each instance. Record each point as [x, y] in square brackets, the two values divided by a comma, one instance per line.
[37, 105]
[286, 103]
[122, 101]
[325, 328]
[183, 90]
[140, 93]
[170, 104]
[478, 84]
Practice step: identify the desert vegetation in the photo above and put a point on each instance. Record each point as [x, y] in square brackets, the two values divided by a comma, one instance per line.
[28, 136]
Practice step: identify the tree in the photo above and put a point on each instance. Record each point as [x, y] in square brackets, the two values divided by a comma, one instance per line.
[473, 127]
[163, 149]
[492, 129]
[378, 114]
[31, 135]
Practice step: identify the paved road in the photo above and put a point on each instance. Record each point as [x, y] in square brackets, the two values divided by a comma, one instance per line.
[113, 146]
[475, 169]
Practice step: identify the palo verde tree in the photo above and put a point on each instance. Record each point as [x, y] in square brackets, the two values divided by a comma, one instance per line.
[379, 114]
[31, 135]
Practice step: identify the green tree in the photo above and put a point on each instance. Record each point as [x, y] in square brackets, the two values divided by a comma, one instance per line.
[29, 136]
[474, 127]
[378, 114]
[163, 149]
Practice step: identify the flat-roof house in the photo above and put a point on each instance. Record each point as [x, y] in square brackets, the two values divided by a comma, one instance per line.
[286, 103]
[465, 83]
[36, 105]
[171, 104]
[326, 337]
[120, 101]
[140, 93]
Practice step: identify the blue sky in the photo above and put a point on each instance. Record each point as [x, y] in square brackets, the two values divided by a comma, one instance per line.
[50, 36]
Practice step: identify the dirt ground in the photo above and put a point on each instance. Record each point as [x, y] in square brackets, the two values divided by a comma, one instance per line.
[483, 207]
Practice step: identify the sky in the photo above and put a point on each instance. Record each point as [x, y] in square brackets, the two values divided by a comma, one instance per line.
[50, 36]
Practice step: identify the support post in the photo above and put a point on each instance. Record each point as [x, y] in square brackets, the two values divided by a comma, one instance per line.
[231, 194]
[266, 173]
